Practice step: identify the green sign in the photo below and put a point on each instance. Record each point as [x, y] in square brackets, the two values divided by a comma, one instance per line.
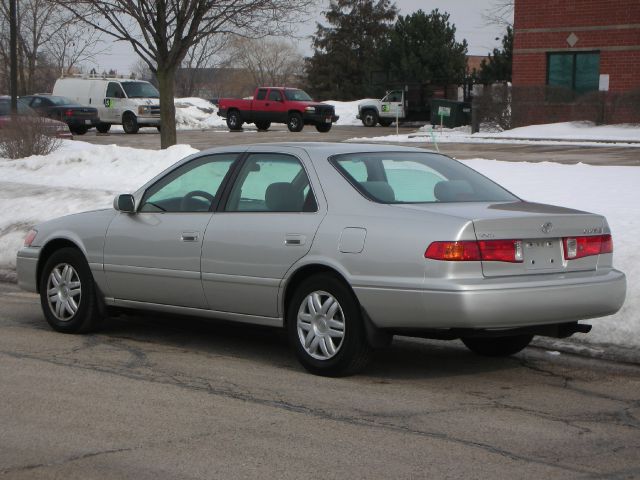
[385, 108]
[444, 111]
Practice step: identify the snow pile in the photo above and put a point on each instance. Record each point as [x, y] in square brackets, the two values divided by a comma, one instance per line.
[197, 114]
[347, 111]
[81, 176]
[567, 133]
[573, 131]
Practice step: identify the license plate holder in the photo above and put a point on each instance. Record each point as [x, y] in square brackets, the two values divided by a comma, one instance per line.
[542, 254]
[87, 122]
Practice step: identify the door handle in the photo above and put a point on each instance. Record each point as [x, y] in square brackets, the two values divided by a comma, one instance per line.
[294, 239]
[189, 236]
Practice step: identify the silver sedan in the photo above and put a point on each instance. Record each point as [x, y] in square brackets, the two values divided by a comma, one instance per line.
[343, 245]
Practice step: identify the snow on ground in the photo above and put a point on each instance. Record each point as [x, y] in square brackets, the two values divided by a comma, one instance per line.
[571, 133]
[81, 176]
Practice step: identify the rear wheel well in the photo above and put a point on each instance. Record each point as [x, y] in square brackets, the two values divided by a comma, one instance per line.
[306, 272]
[48, 250]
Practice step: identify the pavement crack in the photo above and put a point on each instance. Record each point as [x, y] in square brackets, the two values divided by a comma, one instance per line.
[228, 391]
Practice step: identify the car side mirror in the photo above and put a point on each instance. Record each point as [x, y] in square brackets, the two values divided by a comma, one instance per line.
[125, 203]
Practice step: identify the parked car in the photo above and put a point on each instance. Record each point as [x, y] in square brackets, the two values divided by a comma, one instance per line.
[52, 127]
[291, 106]
[79, 118]
[131, 103]
[343, 245]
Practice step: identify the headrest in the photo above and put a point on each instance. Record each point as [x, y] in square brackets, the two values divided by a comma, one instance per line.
[282, 197]
[453, 191]
[381, 191]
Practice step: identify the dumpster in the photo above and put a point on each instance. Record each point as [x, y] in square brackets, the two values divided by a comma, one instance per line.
[450, 113]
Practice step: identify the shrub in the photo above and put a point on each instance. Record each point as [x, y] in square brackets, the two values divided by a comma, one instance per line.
[493, 107]
[26, 135]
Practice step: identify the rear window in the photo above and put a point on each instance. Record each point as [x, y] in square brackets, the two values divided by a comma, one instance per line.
[401, 177]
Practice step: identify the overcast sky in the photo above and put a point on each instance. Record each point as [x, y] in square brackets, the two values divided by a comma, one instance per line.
[465, 14]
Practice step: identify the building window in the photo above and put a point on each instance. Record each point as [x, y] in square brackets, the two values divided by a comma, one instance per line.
[576, 71]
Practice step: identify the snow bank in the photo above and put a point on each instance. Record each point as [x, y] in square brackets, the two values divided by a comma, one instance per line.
[81, 176]
[569, 133]
[347, 111]
[197, 114]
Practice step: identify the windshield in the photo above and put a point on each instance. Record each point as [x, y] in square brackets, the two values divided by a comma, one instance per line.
[61, 101]
[140, 90]
[401, 177]
[297, 95]
[23, 107]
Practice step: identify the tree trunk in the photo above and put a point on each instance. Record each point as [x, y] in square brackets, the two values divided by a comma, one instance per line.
[166, 83]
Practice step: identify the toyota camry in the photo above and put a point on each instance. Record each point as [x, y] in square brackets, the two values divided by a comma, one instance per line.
[342, 245]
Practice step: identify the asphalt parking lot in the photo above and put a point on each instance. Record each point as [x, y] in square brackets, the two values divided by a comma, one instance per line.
[202, 139]
[158, 397]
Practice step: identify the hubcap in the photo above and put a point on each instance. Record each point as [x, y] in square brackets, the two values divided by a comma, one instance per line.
[321, 325]
[64, 292]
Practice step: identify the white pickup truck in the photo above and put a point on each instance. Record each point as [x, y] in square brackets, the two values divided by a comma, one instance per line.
[384, 111]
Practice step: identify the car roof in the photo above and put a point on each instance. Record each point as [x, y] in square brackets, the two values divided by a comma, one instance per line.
[326, 148]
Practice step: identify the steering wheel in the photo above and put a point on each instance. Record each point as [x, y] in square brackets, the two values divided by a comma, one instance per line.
[184, 203]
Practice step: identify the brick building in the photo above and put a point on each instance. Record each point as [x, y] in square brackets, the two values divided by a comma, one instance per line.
[576, 60]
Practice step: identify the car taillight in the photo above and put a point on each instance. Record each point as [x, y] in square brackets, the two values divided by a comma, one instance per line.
[453, 251]
[579, 247]
[501, 250]
[31, 236]
[470, 251]
[68, 113]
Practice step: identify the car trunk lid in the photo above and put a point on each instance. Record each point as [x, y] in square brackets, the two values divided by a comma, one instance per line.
[538, 228]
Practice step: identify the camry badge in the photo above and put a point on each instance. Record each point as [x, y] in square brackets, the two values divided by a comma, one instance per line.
[546, 227]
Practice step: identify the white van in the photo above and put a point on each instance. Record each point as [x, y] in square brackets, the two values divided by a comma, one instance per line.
[131, 103]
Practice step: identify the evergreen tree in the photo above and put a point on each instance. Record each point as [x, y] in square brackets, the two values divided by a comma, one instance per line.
[349, 50]
[423, 49]
[498, 68]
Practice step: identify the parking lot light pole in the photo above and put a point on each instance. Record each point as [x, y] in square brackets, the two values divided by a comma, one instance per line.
[13, 27]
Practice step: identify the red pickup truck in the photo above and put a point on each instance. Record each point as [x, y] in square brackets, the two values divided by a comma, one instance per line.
[277, 105]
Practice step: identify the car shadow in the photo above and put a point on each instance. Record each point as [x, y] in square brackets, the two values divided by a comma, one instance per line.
[405, 358]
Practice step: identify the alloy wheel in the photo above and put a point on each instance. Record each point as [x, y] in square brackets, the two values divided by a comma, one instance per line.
[321, 325]
[64, 291]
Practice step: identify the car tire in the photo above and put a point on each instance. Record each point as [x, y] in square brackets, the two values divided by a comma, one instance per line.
[326, 328]
[79, 130]
[68, 293]
[263, 126]
[323, 127]
[234, 120]
[130, 123]
[497, 346]
[295, 122]
[103, 127]
[369, 118]
[385, 122]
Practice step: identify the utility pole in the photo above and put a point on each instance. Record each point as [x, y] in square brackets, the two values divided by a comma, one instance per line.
[13, 27]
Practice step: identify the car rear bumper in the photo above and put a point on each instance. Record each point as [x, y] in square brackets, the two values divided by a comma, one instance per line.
[498, 303]
[27, 268]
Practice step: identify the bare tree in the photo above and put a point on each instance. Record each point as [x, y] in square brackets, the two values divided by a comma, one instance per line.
[73, 43]
[269, 61]
[36, 20]
[161, 32]
[51, 41]
[204, 55]
[499, 13]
